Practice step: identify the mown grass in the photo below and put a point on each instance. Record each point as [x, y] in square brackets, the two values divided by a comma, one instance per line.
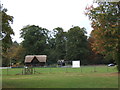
[85, 77]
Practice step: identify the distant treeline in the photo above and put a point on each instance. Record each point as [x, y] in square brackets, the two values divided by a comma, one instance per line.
[56, 44]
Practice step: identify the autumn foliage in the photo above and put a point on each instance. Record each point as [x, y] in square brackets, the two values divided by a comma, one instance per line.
[105, 23]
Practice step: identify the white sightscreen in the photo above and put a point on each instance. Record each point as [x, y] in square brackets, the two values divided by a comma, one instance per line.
[75, 64]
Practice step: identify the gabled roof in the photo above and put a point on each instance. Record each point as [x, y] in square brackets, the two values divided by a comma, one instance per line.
[41, 58]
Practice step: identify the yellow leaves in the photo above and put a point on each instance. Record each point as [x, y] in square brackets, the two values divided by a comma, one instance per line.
[14, 52]
[93, 49]
[114, 25]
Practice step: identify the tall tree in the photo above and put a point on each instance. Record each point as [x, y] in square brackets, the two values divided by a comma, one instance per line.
[57, 45]
[106, 23]
[7, 31]
[60, 40]
[35, 39]
[93, 57]
[50, 49]
[77, 44]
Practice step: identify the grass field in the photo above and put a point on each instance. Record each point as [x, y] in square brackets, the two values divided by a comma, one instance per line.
[84, 77]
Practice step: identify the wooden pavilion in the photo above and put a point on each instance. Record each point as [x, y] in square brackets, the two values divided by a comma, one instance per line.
[35, 60]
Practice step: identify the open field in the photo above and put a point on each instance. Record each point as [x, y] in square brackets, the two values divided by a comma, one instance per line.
[84, 77]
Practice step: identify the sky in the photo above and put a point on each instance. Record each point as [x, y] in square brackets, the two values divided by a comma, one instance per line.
[47, 14]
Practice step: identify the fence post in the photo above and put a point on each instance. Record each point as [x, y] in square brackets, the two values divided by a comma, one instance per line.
[81, 68]
[22, 71]
[107, 69]
[66, 69]
[7, 70]
[34, 70]
[50, 69]
[94, 68]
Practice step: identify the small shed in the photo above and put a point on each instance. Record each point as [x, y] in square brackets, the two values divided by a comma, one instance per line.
[75, 64]
[35, 60]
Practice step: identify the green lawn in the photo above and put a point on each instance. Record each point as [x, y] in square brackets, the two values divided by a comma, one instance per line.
[84, 77]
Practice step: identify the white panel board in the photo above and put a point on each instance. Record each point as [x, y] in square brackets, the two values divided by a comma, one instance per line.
[75, 64]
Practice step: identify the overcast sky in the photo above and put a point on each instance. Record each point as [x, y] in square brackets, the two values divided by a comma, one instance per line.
[47, 14]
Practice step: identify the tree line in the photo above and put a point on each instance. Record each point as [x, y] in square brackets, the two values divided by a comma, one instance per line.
[56, 44]
[101, 47]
